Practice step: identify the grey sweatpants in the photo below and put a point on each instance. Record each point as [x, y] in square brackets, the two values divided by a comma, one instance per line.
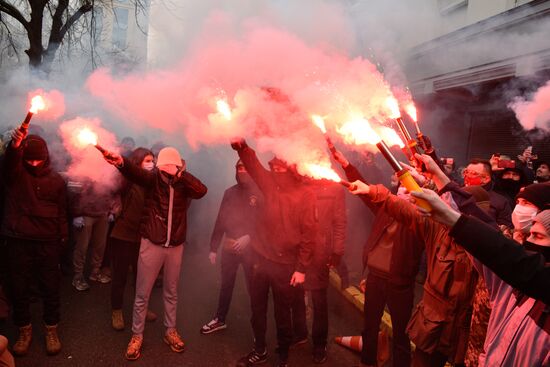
[94, 233]
[151, 259]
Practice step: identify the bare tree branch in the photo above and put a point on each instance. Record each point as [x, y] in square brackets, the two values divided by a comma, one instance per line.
[13, 12]
[75, 17]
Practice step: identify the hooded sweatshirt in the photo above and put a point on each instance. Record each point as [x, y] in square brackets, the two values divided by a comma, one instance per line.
[36, 198]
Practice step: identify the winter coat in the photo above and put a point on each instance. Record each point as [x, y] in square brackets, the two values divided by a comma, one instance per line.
[165, 203]
[331, 216]
[126, 227]
[237, 214]
[35, 205]
[89, 199]
[286, 226]
[441, 320]
[407, 248]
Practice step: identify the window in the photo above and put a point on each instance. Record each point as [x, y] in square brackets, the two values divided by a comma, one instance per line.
[120, 27]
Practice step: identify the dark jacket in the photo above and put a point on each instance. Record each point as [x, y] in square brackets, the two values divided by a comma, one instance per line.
[154, 222]
[287, 227]
[407, 246]
[237, 215]
[36, 204]
[441, 320]
[126, 226]
[523, 270]
[331, 237]
[500, 209]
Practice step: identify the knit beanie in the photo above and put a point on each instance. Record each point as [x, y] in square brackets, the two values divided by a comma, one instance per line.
[169, 155]
[537, 194]
[544, 219]
[35, 149]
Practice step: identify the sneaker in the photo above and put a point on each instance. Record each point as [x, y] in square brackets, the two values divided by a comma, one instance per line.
[117, 320]
[100, 277]
[252, 359]
[133, 351]
[80, 283]
[173, 339]
[53, 344]
[150, 316]
[21, 346]
[298, 341]
[213, 326]
[319, 355]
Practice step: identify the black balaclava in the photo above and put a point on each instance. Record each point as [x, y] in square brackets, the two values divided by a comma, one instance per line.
[243, 178]
[35, 149]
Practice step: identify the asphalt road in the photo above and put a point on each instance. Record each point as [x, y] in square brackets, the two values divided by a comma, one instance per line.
[89, 340]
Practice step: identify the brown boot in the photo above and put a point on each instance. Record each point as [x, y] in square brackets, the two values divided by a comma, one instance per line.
[117, 320]
[53, 345]
[21, 346]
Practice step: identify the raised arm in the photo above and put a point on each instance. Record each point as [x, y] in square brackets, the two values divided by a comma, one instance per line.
[259, 174]
[193, 187]
[135, 174]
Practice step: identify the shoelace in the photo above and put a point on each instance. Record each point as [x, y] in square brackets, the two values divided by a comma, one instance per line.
[51, 337]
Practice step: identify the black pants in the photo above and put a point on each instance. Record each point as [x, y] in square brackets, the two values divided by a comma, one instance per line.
[27, 258]
[268, 274]
[124, 254]
[230, 265]
[319, 329]
[399, 299]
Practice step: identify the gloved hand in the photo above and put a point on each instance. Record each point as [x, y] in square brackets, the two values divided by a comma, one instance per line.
[17, 137]
[212, 257]
[78, 222]
[241, 243]
[238, 143]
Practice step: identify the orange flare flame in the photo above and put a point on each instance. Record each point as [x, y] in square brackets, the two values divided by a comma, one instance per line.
[393, 107]
[318, 172]
[391, 137]
[358, 131]
[86, 137]
[223, 108]
[319, 122]
[37, 104]
[410, 108]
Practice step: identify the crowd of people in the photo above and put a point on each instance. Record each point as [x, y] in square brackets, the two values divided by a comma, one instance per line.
[484, 247]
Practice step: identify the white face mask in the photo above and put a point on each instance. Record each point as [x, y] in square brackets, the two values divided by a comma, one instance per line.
[522, 217]
[148, 166]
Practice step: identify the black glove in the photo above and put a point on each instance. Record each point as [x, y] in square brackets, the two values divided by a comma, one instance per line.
[238, 144]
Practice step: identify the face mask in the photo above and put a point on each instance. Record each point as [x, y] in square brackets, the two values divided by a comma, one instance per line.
[522, 217]
[33, 170]
[472, 180]
[544, 250]
[510, 186]
[148, 166]
[243, 178]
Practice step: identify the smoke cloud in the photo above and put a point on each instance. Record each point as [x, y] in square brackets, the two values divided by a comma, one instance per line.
[534, 112]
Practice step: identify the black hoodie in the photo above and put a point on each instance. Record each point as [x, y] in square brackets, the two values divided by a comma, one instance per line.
[35, 197]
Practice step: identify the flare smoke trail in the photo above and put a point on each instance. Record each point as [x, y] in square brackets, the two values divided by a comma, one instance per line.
[534, 112]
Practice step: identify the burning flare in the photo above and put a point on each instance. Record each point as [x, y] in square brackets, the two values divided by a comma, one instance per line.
[393, 107]
[410, 108]
[86, 137]
[223, 108]
[37, 104]
[319, 172]
[391, 137]
[358, 131]
[319, 122]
